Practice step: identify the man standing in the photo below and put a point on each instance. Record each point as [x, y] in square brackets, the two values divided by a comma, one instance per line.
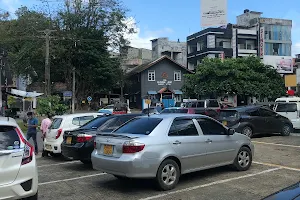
[32, 124]
[44, 127]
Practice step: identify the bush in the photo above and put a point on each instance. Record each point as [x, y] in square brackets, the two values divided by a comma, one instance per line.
[52, 105]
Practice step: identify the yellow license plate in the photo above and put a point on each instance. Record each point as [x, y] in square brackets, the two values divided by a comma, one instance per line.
[69, 140]
[225, 123]
[108, 150]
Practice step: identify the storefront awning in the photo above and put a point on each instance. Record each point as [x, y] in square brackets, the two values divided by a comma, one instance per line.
[24, 94]
[177, 92]
[152, 92]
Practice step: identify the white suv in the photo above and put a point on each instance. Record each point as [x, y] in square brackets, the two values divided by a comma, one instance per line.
[55, 134]
[18, 170]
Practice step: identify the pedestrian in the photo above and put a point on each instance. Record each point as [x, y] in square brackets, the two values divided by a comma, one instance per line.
[32, 124]
[44, 127]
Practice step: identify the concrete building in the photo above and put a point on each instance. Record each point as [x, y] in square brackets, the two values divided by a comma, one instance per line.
[160, 80]
[133, 57]
[297, 61]
[176, 50]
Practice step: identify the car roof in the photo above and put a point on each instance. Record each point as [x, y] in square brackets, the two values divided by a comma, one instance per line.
[174, 115]
[242, 108]
[176, 108]
[8, 121]
[77, 115]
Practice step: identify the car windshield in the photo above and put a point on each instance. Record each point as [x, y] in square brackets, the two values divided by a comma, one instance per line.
[174, 110]
[286, 107]
[228, 114]
[56, 123]
[143, 126]
[95, 123]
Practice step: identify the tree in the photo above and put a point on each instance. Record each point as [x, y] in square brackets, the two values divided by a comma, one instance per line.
[241, 76]
[51, 105]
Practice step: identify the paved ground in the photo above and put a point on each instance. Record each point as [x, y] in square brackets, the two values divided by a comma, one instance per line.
[276, 165]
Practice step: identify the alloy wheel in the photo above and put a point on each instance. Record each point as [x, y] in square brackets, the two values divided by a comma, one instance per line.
[169, 174]
[247, 131]
[286, 130]
[243, 159]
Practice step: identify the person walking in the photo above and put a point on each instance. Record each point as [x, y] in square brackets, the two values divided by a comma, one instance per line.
[32, 124]
[44, 127]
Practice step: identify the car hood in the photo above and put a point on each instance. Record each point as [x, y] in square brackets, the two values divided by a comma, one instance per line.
[288, 193]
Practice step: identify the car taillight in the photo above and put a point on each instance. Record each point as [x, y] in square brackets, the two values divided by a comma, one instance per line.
[133, 147]
[28, 149]
[83, 138]
[58, 133]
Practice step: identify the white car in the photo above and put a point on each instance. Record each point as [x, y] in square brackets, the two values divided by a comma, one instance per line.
[107, 109]
[18, 169]
[61, 124]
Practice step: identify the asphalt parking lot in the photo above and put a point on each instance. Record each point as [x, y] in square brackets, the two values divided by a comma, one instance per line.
[276, 165]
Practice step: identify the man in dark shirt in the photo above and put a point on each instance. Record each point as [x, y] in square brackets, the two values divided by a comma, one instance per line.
[32, 124]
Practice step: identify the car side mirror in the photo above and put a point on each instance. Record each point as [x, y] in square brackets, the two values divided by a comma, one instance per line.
[231, 131]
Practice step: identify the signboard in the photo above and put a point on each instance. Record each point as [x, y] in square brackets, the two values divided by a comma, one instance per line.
[282, 64]
[67, 93]
[148, 101]
[213, 13]
[89, 98]
[234, 40]
[261, 42]
[164, 82]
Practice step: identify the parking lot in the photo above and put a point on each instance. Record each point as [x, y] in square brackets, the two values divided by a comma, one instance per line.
[276, 165]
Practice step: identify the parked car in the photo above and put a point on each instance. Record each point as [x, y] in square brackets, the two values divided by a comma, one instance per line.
[290, 110]
[18, 169]
[208, 112]
[79, 144]
[252, 120]
[290, 193]
[164, 147]
[178, 110]
[61, 124]
[107, 109]
[207, 103]
[151, 111]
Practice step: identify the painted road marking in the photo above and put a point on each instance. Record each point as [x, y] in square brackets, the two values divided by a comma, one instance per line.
[210, 184]
[280, 166]
[71, 179]
[63, 163]
[275, 144]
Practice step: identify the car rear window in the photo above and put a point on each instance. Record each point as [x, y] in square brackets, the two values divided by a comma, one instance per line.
[56, 123]
[200, 104]
[142, 126]
[175, 111]
[95, 123]
[9, 138]
[114, 123]
[286, 107]
[228, 114]
[213, 103]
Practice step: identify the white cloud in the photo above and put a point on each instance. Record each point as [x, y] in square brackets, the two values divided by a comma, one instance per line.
[140, 40]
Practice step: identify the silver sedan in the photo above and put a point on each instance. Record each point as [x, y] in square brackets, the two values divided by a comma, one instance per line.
[164, 147]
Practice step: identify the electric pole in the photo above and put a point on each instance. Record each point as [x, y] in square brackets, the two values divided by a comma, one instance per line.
[74, 85]
[47, 33]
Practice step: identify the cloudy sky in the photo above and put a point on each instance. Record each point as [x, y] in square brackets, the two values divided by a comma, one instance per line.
[177, 19]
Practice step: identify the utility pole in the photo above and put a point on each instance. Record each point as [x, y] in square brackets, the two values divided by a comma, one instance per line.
[47, 33]
[1, 103]
[73, 85]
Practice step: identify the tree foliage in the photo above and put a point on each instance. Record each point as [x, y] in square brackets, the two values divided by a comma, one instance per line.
[51, 105]
[242, 76]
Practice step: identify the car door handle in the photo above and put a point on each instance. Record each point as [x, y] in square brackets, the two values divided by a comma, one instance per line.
[176, 142]
[208, 141]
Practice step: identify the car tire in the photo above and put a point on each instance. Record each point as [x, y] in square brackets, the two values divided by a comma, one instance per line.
[86, 162]
[167, 175]
[243, 160]
[286, 130]
[248, 131]
[35, 197]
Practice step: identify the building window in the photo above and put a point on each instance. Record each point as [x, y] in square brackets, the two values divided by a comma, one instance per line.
[151, 75]
[278, 49]
[191, 66]
[177, 75]
[200, 46]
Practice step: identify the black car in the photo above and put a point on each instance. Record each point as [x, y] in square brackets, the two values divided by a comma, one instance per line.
[290, 193]
[252, 120]
[79, 144]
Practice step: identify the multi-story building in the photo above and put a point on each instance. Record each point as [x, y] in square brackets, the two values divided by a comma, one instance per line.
[175, 50]
[297, 61]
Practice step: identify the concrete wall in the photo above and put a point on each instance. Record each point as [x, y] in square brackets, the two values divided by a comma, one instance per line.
[165, 66]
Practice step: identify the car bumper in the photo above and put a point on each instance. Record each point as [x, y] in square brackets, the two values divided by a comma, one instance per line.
[78, 151]
[25, 184]
[296, 123]
[131, 166]
[54, 147]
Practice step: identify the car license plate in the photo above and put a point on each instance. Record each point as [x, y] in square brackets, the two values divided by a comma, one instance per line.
[48, 147]
[108, 150]
[225, 123]
[69, 140]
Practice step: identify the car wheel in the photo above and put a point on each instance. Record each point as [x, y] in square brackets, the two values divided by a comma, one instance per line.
[286, 130]
[35, 197]
[247, 131]
[167, 175]
[86, 162]
[243, 159]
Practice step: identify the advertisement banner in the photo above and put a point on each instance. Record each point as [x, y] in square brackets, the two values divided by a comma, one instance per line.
[213, 13]
[211, 41]
[261, 42]
[282, 64]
